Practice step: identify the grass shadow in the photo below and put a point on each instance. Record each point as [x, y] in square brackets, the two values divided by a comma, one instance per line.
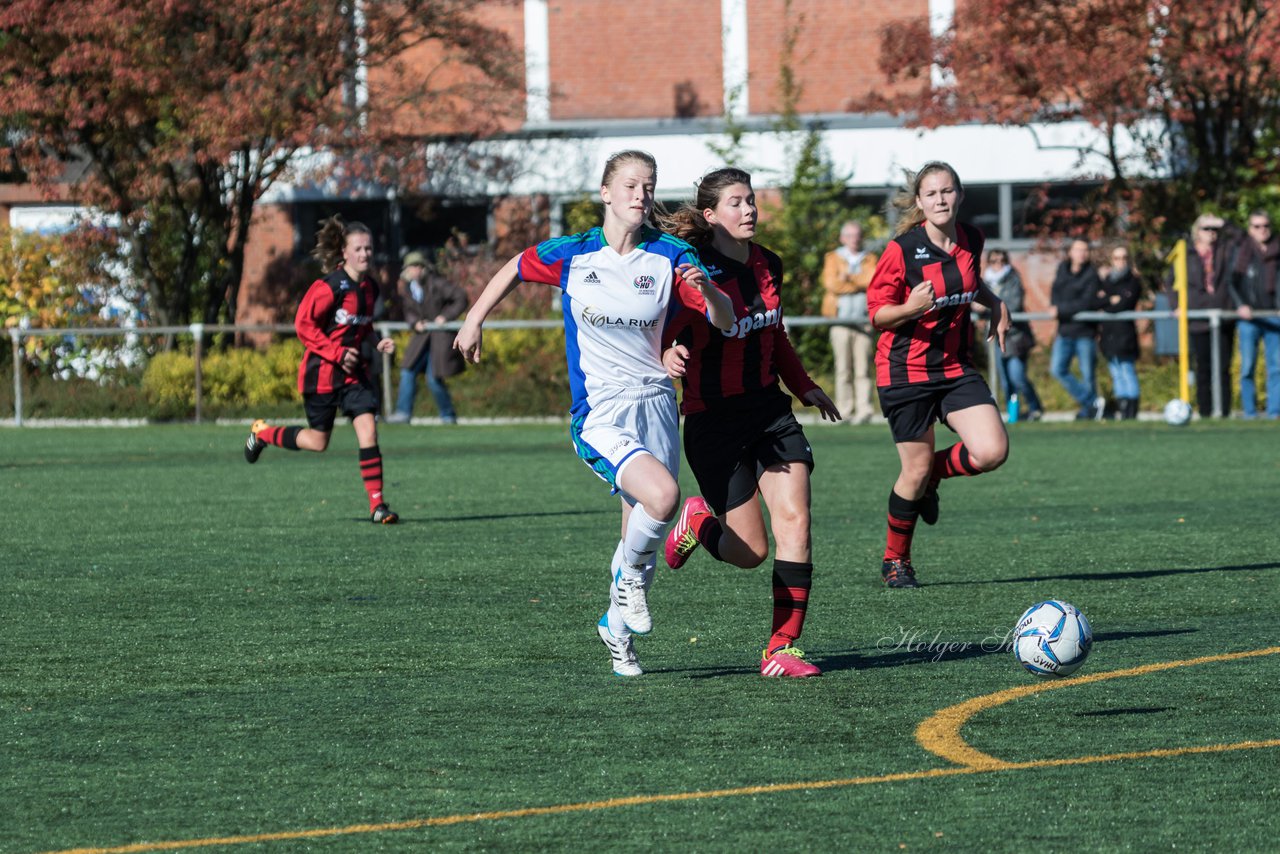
[929, 650]
[1114, 576]
[932, 650]
[493, 517]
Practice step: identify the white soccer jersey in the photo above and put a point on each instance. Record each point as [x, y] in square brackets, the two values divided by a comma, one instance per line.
[615, 307]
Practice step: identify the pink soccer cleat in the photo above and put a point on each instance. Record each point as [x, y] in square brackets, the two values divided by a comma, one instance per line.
[787, 661]
[681, 540]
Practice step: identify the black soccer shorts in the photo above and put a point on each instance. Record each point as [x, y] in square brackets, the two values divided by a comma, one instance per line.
[912, 409]
[729, 447]
[353, 399]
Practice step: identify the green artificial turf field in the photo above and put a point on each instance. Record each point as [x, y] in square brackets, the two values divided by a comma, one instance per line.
[201, 651]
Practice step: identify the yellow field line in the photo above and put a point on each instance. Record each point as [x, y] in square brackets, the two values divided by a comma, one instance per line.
[940, 733]
[642, 800]
[953, 715]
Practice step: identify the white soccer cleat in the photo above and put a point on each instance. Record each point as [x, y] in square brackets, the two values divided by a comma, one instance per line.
[621, 650]
[628, 594]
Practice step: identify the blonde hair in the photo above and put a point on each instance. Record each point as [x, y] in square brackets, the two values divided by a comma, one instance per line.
[909, 213]
[687, 221]
[620, 158]
[331, 239]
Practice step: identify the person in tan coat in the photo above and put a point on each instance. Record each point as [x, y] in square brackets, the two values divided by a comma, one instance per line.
[846, 273]
[427, 299]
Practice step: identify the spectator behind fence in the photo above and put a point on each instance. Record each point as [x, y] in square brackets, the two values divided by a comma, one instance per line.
[1253, 287]
[1075, 289]
[1208, 286]
[1004, 281]
[1118, 339]
[846, 273]
[428, 298]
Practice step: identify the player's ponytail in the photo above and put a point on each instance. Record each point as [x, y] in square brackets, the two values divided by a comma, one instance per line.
[687, 221]
[331, 239]
[909, 213]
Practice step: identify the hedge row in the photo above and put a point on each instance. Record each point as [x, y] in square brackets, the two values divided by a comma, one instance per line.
[523, 373]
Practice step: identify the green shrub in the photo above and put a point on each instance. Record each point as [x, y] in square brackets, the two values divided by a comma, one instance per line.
[169, 383]
[234, 380]
[523, 372]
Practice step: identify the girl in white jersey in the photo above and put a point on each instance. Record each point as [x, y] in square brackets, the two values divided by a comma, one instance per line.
[620, 284]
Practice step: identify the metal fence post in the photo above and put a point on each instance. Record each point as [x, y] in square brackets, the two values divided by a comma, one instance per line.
[197, 332]
[993, 368]
[384, 332]
[1215, 362]
[16, 334]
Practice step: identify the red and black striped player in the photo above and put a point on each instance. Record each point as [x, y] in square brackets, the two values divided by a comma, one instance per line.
[740, 437]
[921, 297]
[335, 317]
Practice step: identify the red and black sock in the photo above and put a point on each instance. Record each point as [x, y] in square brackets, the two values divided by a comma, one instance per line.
[903, 515]
[791, 583]
[281, 437]
[371, 471]
[708, 530]
[952, 462]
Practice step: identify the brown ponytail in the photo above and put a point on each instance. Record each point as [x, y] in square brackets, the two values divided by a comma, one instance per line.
[331, 239]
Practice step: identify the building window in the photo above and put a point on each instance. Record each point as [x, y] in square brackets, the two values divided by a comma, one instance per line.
[981, 207]
[1042, 210]
[429, 223]
[377, 214]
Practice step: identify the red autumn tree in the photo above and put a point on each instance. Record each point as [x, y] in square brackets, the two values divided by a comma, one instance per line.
[186, 112]
[1195, 85]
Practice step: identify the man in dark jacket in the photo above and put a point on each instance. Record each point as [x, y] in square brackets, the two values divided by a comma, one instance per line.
[1075, 289]
[428, 299]
[1253, 287]
[1209, 286]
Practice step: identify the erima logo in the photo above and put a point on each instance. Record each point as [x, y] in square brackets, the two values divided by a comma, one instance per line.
[591, 279]
[714, 270]
[592, 316]
[645, 284]
[342, 317]
[954, 300]
[922, 252]
[752, 323]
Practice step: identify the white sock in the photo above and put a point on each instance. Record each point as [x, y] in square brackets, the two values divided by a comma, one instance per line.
[640, 543]
[614, 617]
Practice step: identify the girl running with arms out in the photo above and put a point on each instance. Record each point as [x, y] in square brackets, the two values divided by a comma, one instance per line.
[740, 437]
[619, 282]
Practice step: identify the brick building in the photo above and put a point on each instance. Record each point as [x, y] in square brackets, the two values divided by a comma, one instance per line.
[671, 78]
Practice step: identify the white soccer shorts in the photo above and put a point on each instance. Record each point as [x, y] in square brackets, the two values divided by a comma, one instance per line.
[629, 423]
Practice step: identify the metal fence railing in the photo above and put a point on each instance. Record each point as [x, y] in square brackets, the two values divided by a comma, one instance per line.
[200, 333]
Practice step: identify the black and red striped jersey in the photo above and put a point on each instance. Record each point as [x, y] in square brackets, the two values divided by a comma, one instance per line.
[939, 344]
[335, 314]
[749, 357]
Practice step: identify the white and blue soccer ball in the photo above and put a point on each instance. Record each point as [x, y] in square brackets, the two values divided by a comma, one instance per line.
[1177, 412]
[1052, 638]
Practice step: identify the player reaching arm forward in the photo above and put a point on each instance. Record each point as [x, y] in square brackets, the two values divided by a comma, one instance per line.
[740, 437]
[618, 284]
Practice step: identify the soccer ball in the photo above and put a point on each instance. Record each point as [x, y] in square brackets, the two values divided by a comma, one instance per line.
[1052, 638]
[1177, 412]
